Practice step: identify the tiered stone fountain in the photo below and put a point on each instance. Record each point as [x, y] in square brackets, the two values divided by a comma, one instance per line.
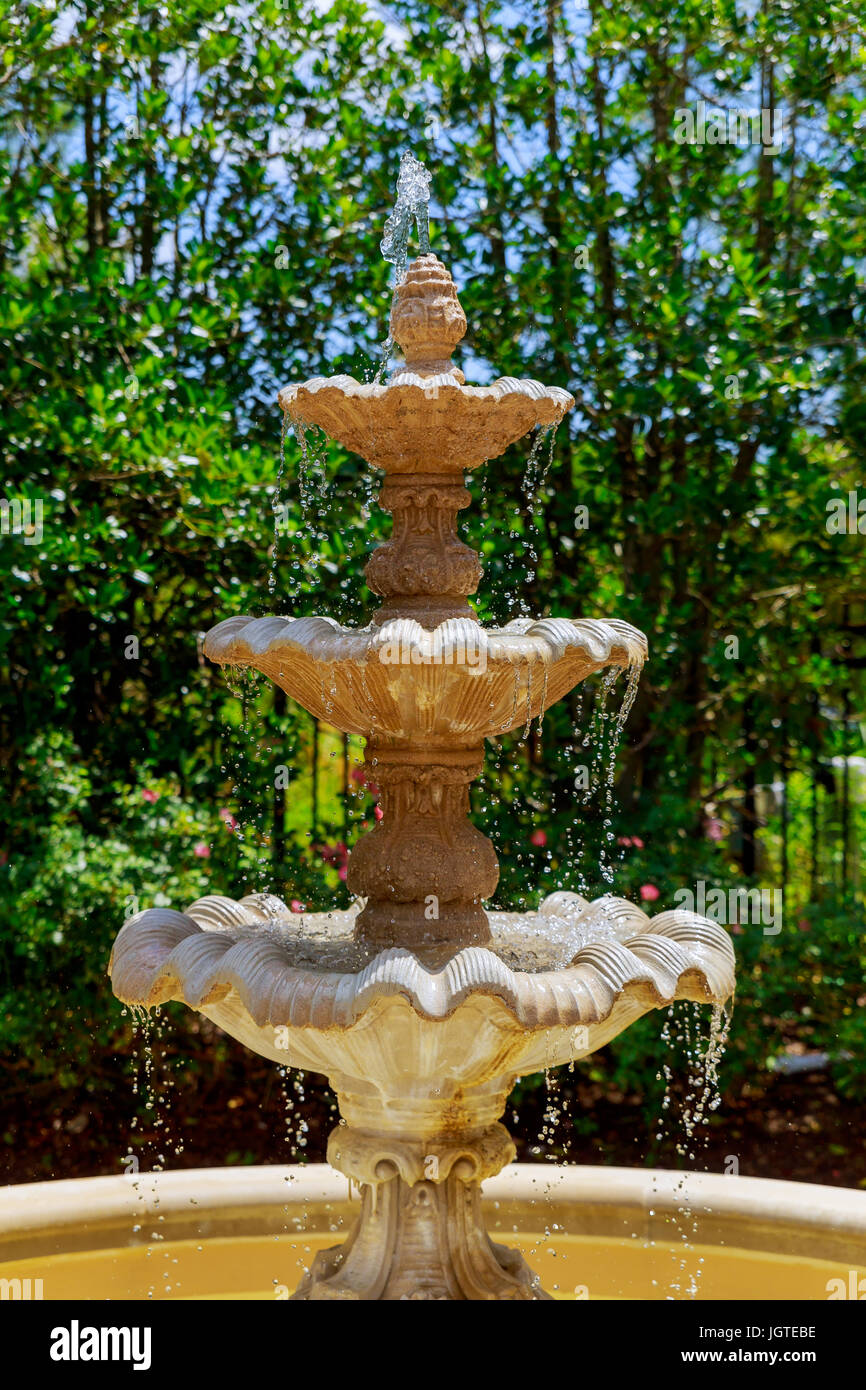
[420, 1005]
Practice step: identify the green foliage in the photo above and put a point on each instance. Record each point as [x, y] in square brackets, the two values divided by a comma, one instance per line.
[193, 199]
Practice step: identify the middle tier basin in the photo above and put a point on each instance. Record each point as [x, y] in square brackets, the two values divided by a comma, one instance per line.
[457, 684]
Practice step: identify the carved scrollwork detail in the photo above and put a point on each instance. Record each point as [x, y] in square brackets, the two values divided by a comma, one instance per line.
[424, 557]
[430, 491]
[425, 854]
[416, 566]
[423, 783]
[420, 1235]
[376, 1158]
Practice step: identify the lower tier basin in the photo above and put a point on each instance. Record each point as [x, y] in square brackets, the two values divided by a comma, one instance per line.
[597, 1233]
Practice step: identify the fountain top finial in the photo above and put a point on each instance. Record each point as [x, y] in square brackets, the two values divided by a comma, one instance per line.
[427, 321]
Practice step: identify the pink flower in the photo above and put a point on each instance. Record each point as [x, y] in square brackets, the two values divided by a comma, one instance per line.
[228, 819]
[296, 905]
[378, 813]
[201, 850]
[149, 795]
[714, 829]
[343, 873]
[336, 854]
[737, 929]
[637, 841]
[358, 774]
[539, 838]
[625, 840]
[649, 892]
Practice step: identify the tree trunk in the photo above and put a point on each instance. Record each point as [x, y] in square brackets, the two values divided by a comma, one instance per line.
[749, 853]
[278, 841]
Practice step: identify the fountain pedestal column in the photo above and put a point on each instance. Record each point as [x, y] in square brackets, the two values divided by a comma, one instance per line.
[424, 571]
[420, 1235]
[425, 868]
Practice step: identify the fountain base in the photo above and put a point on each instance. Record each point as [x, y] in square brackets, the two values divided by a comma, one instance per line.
[420, 1235]
[422, 1053]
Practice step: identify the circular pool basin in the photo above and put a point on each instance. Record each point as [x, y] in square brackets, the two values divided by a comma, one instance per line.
[606, 1233]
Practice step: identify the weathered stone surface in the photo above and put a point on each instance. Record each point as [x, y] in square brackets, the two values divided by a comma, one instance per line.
[425, 420]
[421, 1055]
[427, 320]
[420, 1007]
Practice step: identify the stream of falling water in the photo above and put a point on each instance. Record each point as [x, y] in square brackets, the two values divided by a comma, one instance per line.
[533, 478]
[244, 765]
[296, 1128]
[314, 492]
[279, 508]
[603, 737]
[521, 561]
[683, 1033]
[153, 1081]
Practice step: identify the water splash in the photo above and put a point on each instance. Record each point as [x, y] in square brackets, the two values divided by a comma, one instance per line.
[297, 1128]
[412, 206]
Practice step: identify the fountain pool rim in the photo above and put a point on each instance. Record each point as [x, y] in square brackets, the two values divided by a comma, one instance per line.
[759, 1238]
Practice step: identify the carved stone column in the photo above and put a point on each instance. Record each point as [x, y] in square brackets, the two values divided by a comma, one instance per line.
[425, 868]
[424, 572]
[420, 1234]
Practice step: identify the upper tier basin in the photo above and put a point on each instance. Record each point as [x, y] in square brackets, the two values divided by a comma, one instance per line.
[424, 419]
[414, 423]
[460, 683]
